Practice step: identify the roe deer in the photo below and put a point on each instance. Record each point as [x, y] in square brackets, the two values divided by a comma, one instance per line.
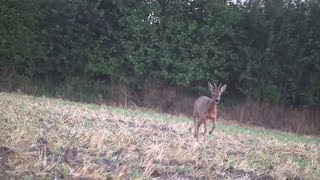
[206, 108]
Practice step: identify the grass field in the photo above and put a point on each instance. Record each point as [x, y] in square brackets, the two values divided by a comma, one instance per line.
[53, 138]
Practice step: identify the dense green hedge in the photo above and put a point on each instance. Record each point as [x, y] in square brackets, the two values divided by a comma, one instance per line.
[266, 49]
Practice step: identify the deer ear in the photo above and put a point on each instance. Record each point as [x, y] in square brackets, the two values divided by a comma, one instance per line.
[210, 86]
[223, 88]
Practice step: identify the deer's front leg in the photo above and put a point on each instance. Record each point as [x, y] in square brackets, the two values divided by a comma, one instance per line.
[213, 124]
[205, 126]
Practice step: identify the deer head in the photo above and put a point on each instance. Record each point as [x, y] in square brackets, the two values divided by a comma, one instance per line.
[216, 92]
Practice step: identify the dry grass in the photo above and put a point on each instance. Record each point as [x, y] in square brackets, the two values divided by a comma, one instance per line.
[41, 137]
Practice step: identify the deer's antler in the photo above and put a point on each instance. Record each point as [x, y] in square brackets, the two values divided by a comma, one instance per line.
[215, 86]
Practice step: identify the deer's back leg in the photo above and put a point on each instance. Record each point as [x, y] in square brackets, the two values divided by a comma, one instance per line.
[198, 126]
[201, 120]
[195, 126]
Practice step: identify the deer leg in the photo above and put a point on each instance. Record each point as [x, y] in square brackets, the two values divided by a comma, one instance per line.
[205, 129]
[198, 123]
[213, 125]
[195, 126]
[198, 126]
[205, 126]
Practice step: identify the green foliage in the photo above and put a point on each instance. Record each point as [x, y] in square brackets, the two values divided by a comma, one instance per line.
[273, 46]
[269, 49]
[18, 36]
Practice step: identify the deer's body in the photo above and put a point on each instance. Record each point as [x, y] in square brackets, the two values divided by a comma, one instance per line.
[206, 108]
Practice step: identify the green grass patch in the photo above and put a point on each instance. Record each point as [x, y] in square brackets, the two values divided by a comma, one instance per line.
[260, 132]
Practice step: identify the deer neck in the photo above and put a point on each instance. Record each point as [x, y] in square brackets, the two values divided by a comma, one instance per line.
[212, 107]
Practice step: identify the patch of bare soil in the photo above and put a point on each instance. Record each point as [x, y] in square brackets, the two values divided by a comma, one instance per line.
[5, 154]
